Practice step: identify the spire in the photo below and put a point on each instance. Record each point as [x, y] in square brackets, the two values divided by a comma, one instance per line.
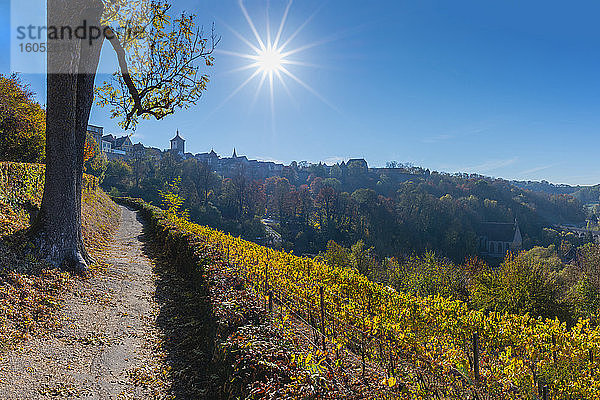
[234, 155]
[177, 136]
[518, 238]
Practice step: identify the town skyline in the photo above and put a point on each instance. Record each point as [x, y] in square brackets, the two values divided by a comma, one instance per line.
[477, 88]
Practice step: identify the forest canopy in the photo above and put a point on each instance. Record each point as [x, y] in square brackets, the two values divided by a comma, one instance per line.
[396, 213]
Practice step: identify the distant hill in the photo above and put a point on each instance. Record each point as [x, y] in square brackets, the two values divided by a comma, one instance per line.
[399, 211]
[546, 187]
[585, 194]
[588, 194]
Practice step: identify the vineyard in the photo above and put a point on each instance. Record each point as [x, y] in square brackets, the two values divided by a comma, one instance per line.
[426, 346]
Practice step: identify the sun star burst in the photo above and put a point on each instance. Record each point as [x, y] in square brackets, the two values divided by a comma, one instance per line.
[269, 58]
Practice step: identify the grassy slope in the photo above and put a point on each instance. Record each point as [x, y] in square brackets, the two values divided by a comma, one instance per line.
[30, 292]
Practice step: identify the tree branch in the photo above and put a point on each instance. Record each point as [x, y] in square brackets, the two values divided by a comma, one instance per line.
[116, 45]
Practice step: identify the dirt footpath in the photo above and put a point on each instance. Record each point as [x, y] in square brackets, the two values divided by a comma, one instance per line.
[109, 344]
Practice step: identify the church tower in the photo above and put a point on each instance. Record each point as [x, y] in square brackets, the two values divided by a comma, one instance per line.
[178, 144]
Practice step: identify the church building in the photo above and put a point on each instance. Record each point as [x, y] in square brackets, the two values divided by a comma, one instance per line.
[498, 238]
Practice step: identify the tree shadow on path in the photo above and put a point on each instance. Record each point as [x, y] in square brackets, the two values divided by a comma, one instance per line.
[185, 319]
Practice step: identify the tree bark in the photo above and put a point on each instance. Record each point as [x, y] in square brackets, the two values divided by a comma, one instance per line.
[71, 72]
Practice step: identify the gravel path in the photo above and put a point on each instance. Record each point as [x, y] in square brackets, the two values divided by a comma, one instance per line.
[108, 346]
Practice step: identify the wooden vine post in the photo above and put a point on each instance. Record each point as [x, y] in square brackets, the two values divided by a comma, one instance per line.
[362, 352]
[267, 272]
[322, 316]
[266, 288]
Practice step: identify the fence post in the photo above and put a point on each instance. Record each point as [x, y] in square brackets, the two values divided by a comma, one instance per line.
[476, 355]
[362, 350]
[266, 276]
[271, 303]
[322, 316]
[545, 393]
[266, 285]
[282, 301]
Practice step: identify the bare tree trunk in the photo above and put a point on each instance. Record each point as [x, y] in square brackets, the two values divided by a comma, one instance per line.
[70, 81]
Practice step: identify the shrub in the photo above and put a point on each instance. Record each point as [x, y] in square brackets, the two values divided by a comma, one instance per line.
[428, 275]
[520, 285]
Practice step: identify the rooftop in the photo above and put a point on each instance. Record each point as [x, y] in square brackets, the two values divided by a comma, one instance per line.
[498, 231]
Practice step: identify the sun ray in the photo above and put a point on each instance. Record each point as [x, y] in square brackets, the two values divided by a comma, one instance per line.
[328, 39]
[310, 89]
[308, 46]
[268, 26]
[301, 63]
[281, 25]
[297, 31]
[237, 89]
[249, 20]
[239, 36]
[235, 53]
[272, 101]
[260, 85]
[286, 88]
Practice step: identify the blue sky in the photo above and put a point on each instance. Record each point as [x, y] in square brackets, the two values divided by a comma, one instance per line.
[499, 88]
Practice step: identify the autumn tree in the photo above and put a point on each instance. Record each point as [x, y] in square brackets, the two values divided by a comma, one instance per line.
[277, 190]
[22, 122]
[159, 61]
[90, 148]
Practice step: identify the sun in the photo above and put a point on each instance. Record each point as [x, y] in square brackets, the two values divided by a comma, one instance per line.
[270, 60]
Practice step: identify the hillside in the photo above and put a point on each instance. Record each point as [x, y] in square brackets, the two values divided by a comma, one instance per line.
[31, 292]
[585, 194]
[232, 318]
[421, 345]
[398, 211]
